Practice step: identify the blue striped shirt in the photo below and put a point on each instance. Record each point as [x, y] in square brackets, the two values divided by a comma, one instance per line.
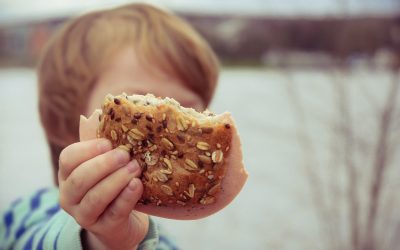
[38, 222]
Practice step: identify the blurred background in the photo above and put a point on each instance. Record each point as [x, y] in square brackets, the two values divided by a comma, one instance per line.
[314, 86]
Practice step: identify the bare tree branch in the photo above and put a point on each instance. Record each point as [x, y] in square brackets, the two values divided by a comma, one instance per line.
[352, 176]
[379, 167]
[351, 192]
[314, 179]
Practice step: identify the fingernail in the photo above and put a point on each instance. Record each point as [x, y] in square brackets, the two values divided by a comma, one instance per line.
[104, 145]
[122, 156]
[132, 184]
[132, 166]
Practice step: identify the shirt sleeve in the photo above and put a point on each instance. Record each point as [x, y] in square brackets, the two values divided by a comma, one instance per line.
[37, 222]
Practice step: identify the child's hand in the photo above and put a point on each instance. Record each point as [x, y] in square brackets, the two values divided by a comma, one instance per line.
[99, 187]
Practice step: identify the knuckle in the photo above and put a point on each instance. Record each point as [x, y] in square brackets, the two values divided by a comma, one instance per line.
[83, 221]
[63, 159]
[76, 182]
[65, 154]
[63, 202]
[113, 214]
[85, 216]
[93, 199]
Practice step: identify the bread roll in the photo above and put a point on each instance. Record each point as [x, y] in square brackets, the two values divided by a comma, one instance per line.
[191, 162]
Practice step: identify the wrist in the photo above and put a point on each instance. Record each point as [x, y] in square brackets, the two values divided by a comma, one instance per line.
[91, 241]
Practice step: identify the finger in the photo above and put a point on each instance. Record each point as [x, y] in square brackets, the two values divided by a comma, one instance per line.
[77, 153]
[123, 205]
[93, 171]
[102, 194]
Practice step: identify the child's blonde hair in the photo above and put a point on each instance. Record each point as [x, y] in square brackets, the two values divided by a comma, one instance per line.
[76, 55]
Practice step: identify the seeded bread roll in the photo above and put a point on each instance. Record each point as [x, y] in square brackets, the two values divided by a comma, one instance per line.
[188, 170]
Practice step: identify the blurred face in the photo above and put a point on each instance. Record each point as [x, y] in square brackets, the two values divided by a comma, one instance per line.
[126, 74]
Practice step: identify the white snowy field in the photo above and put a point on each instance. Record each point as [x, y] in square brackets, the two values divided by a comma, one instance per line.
[274, 209]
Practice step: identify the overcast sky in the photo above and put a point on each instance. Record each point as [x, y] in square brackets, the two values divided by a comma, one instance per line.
[28, 9]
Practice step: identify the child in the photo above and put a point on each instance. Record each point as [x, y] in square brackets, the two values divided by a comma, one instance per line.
[134, 49]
